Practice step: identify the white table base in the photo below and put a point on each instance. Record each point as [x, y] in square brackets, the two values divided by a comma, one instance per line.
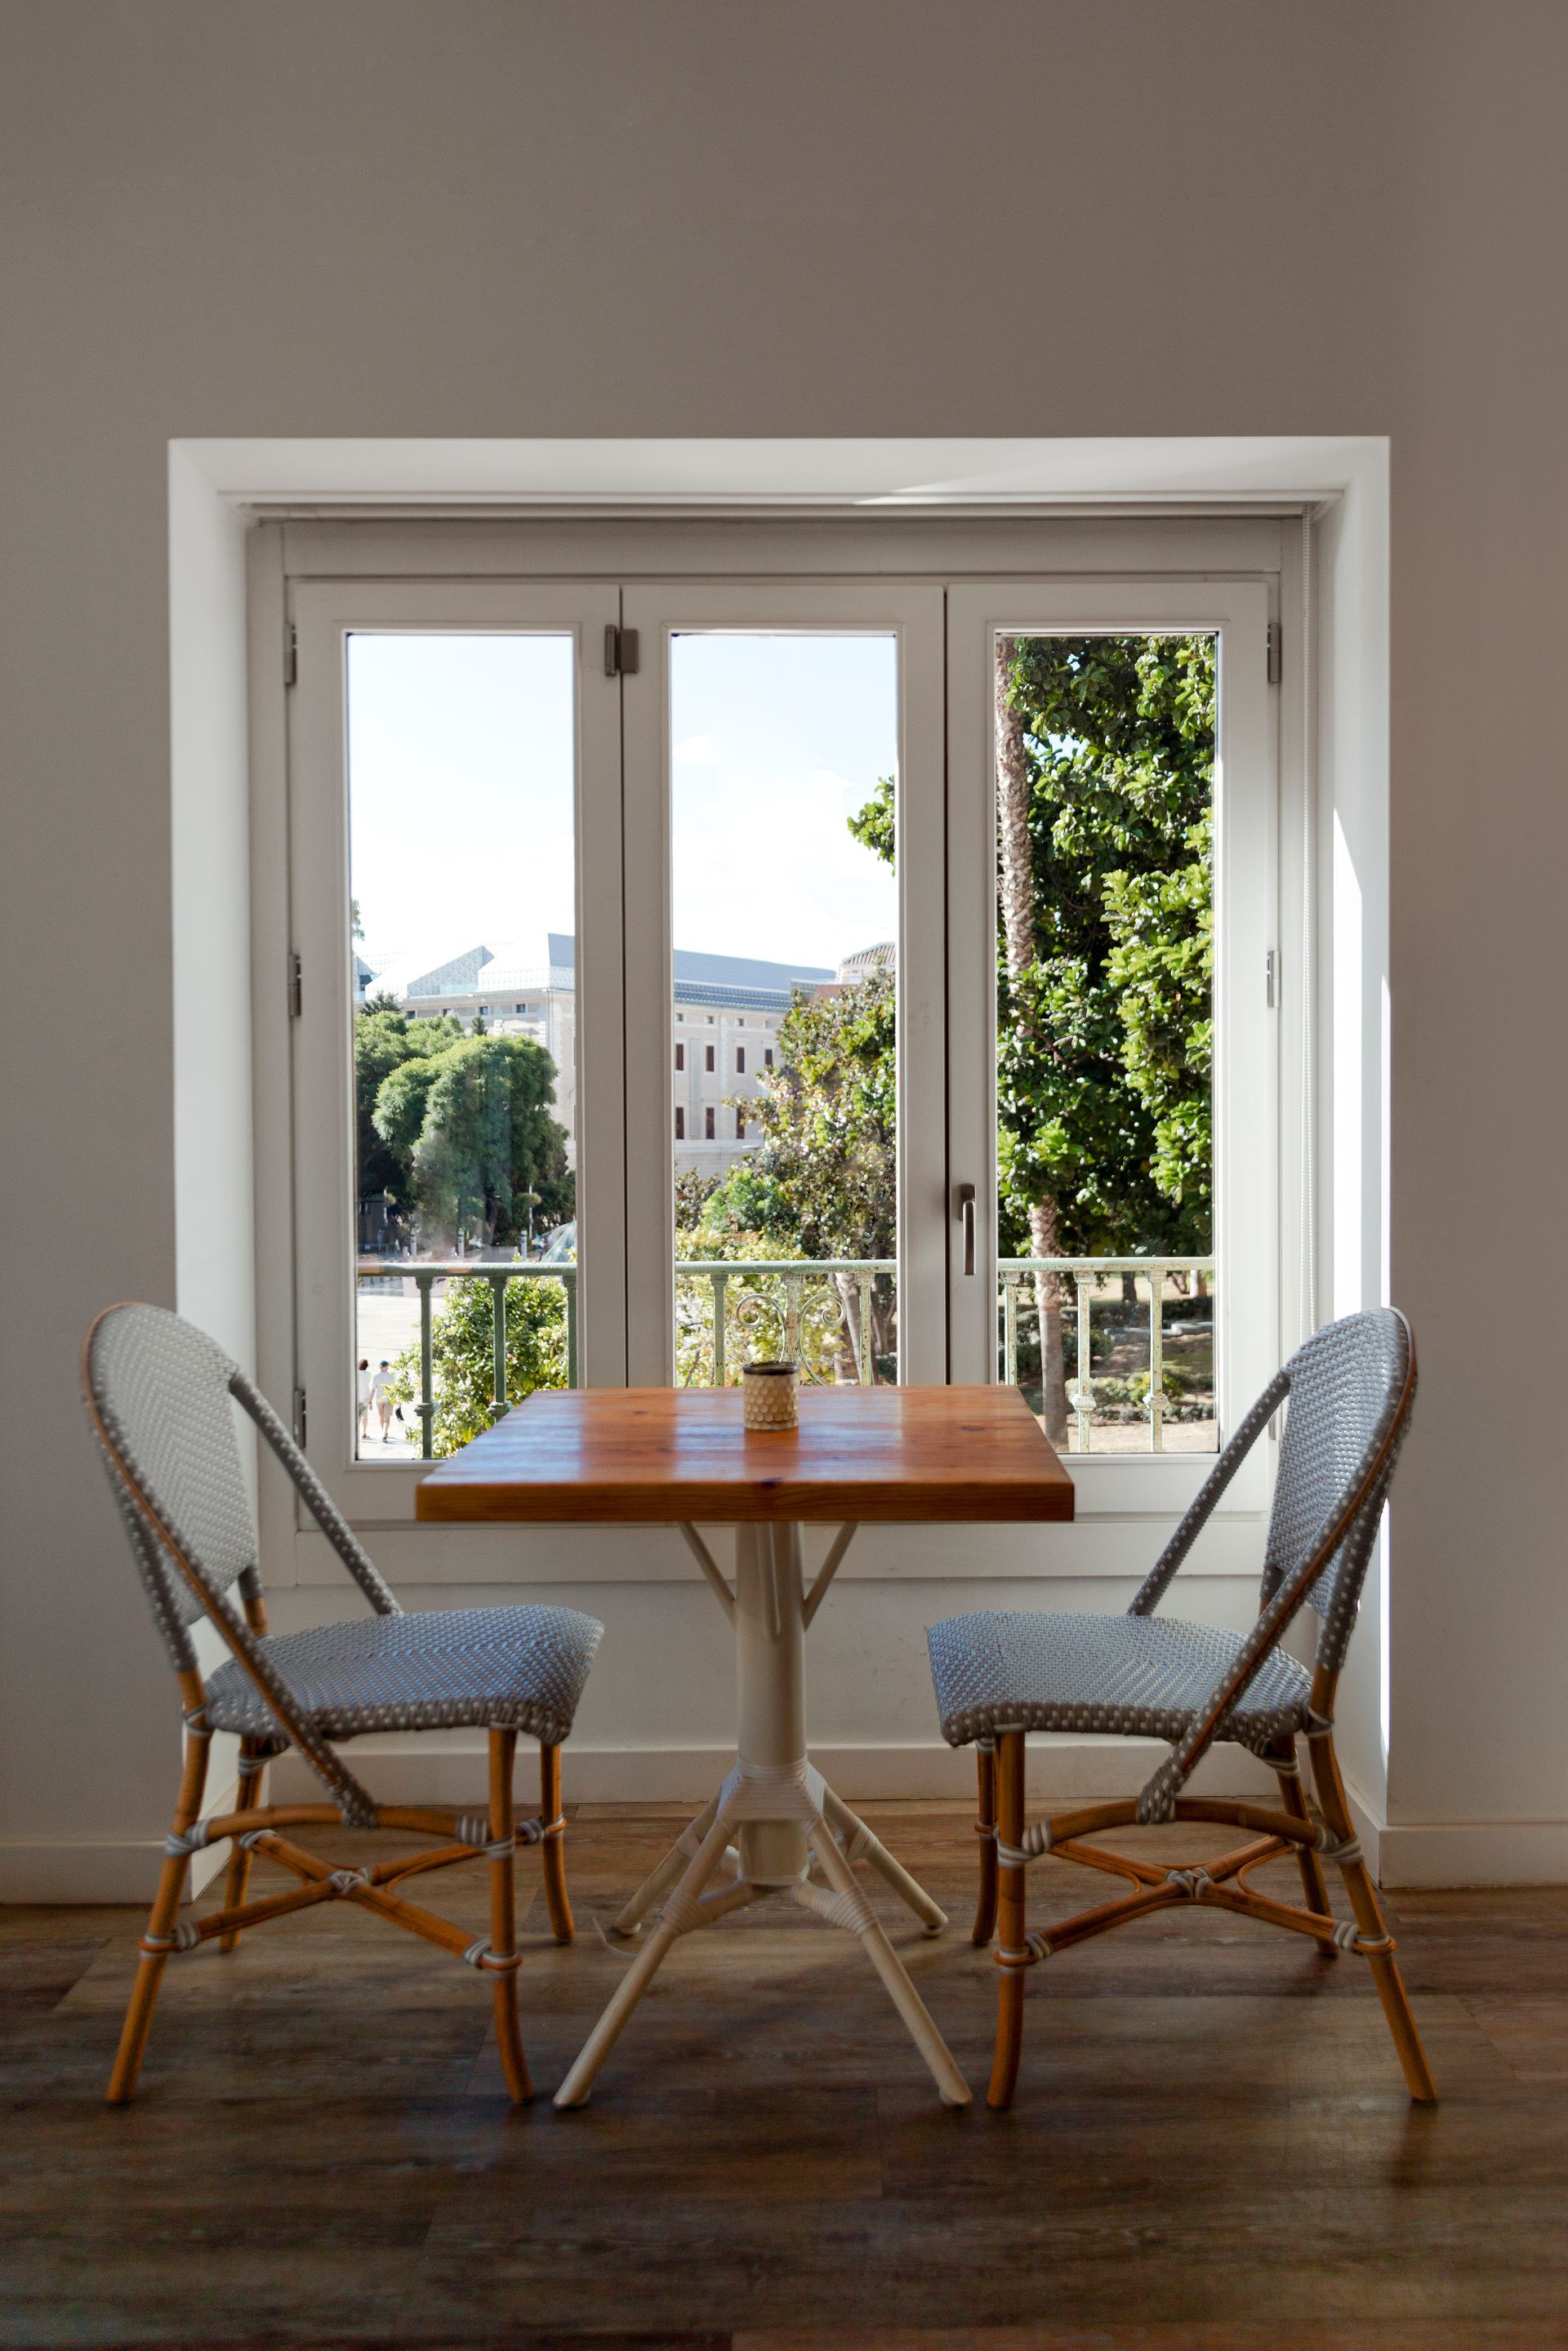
[774, 1822]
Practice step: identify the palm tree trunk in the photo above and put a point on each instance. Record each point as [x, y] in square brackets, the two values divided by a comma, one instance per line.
[1016, 892]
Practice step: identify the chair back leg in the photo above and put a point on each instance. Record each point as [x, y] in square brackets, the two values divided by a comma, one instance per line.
[553, 1852]
[158, 1940]
[1287, 1771]
[1012, 1954]
[1368, 1913]
[984, 1925]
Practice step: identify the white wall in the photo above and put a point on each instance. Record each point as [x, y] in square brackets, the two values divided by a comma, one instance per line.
[853, 217]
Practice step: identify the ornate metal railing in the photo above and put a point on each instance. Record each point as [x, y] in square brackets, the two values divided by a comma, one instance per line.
[1084, 1273]
[737, 1285]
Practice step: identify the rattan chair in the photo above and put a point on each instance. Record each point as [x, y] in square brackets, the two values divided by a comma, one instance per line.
[159, 1395]
[999, 1676]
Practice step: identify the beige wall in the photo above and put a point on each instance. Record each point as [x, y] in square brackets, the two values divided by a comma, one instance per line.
[1070, 217]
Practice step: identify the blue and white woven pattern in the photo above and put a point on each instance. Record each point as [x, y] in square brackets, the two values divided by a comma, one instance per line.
[1136, 1676]
[1348, 1388]
[164, 1395]
[437, 1669]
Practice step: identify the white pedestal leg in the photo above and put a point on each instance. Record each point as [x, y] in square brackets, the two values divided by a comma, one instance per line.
[574, 2090]
[782, 1814]
[859, 1844]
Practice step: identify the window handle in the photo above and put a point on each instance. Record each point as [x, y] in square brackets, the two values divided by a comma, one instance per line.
[966, 1216]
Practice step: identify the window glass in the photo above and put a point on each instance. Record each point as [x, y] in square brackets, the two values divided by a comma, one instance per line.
[783, 764]
[1105, 753]
[461, 769]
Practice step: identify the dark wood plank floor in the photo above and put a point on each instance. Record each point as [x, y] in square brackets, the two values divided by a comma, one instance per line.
[1213, 2145]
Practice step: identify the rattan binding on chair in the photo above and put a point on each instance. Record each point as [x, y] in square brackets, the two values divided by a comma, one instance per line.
[160, 1397]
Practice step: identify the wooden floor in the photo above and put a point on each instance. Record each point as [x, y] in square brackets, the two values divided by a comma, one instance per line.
[1212, 2146]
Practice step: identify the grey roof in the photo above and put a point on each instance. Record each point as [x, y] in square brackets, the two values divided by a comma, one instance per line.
[451, 978]
[726, 974]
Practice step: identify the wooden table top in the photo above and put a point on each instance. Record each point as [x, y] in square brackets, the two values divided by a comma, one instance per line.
[644, 1457]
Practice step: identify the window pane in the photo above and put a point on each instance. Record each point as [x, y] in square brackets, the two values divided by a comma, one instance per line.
[462, 858]
[784, 756]
[1106, 748]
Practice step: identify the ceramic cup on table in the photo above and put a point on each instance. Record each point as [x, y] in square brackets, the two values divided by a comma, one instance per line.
[769, 1396]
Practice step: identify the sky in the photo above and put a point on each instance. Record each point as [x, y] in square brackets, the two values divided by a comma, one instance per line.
[460, 793]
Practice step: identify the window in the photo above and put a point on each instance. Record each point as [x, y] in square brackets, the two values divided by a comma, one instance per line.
[921, 935]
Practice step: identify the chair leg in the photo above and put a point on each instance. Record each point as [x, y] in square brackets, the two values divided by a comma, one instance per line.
[252, 1768]
[984, 1925]
[1369, 1920]
[553, 1852]
[158, 1940]
[503, 1955]
[1314, 1885]
[1012, 1950]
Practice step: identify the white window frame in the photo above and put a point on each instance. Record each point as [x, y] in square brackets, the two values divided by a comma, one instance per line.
[324, 614]
[914, 615]
[436, 568]
[1246, 1073]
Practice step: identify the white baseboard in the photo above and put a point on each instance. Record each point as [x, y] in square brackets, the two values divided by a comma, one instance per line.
[123, 1871]
[414, 1771]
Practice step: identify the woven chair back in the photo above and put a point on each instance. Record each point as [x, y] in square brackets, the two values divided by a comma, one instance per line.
[1350, 1391]
[160, 1390]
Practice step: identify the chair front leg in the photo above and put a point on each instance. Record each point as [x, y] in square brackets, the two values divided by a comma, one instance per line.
[552, 1854]
[158, 1939]
[1373, 1939]
[501, 1962]
[252, 1783]
[1012, 1950]
[984, 1925]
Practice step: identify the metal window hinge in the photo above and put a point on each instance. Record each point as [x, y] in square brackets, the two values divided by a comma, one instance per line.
[296, 987]
[290, 654]
[620, 651]
[1276, 652]
[1272, 967]
[299, 1418]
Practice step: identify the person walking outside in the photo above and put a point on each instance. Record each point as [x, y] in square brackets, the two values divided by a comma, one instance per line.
[381, 1397]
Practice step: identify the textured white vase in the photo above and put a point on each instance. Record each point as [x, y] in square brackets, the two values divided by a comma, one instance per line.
[769, 1396]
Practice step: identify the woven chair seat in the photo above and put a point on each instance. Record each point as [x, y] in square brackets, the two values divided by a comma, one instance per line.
[437, 1669]
[1141, 1677]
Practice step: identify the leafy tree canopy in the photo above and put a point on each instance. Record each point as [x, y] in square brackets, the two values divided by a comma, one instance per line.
[1106, 1034]
[827, 1113]
[459, 1126]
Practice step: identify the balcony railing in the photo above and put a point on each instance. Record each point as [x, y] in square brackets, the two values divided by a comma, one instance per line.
[1085, 1274]
[772, 1299]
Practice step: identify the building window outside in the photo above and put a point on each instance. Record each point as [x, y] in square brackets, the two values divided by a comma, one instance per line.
[740, 1126]
[767, 1057]
[680, 1123]
[740, 1060]
[680, 1056]
[708, 1126]
[710, 1057]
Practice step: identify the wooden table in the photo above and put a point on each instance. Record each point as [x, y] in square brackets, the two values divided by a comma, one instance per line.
[651, 1457]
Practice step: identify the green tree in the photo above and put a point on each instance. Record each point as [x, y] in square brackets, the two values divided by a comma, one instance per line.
[1106, 951]
[828, 1111]
[384, 1040]
[471, 1125]
[463, 1356]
